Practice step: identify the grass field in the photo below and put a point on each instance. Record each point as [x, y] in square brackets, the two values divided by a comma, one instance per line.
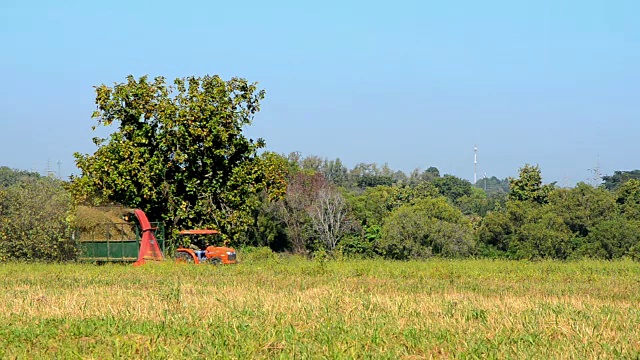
[294, 308]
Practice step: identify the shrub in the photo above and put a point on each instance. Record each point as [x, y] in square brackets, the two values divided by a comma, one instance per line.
[252, 254]
[35, 217]
[427, 227]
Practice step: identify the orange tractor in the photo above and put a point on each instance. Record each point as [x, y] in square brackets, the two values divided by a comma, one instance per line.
[214, 255]
[149, 251]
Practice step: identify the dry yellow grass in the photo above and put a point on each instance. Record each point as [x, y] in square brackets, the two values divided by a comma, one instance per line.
[301, 309]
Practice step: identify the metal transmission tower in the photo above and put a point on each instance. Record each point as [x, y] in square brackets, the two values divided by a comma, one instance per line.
[597, 175]
[475, 164]
[47, 170]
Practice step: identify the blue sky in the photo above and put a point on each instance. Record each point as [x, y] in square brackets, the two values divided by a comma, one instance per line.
[408, 83]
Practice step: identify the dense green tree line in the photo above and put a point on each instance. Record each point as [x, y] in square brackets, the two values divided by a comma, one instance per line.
[178, 152]
[434, 216]
[447, 216]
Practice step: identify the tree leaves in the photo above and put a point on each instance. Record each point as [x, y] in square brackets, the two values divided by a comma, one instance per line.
[528, 187]
[178, 152]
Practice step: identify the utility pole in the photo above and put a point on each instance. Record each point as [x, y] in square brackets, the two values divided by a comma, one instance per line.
[59, 163]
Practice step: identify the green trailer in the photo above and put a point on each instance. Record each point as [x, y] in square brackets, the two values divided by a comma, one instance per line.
[114, 242]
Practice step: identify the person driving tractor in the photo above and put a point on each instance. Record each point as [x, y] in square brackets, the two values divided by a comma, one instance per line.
[202, 250]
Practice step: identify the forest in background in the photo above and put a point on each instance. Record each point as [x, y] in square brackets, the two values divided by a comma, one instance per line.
[177, 151]
[372, 211]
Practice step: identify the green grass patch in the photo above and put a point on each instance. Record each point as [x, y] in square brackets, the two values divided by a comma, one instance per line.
[294, 308]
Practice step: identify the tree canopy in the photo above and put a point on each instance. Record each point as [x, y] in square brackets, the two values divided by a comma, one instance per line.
[613, 182]
[178, 152]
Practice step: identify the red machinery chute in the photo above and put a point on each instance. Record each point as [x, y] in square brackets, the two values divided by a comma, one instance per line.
[149, 249]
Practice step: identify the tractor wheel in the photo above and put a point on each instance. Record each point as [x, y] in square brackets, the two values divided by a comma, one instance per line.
[215, 261]
[184, 257]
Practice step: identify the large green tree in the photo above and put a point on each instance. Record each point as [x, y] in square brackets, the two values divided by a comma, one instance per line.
[178, 152]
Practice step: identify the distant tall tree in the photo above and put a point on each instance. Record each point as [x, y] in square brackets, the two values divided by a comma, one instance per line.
[430, 174]
[452, 187]
[312, 164]
[528, 187]
[295, 158]
[369, 175]
[335, 172]
[399, 177]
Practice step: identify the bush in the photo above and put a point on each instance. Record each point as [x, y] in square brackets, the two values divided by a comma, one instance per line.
[427, 227]
[544, 238]
[612, 239]
[361, 245]
[253, 254]
[35, 217]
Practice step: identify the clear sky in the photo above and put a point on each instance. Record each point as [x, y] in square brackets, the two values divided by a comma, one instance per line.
[408, 83]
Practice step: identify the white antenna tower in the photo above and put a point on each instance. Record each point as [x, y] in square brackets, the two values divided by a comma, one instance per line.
[475, 164]
[597, 175]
